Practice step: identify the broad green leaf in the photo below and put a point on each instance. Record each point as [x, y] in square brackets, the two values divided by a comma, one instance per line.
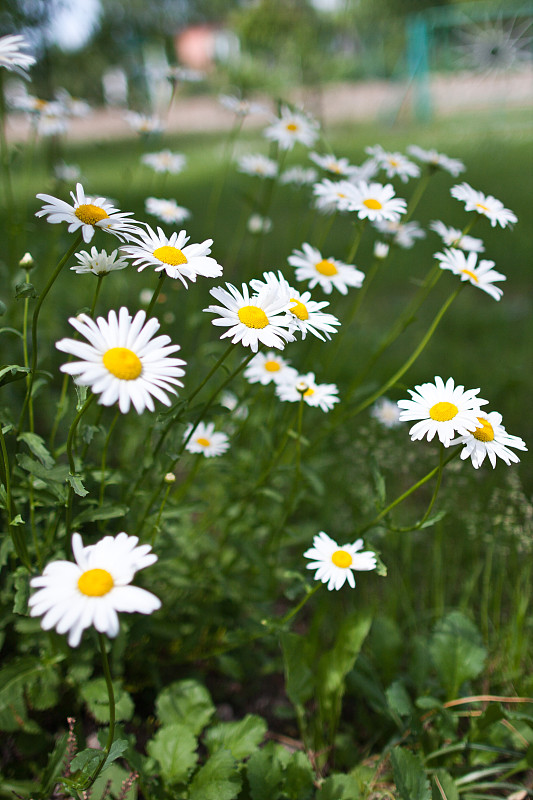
[299, 678]
[96, 513]
[340, 787]
[86, 761]
[117, 749]
[23, 290]
[15, 679]
[95, 695]
[399, 700]
[299, 778]
[457, 651]
[12, 372]
[38, 448]
[187, 702]
[443, 786]
[77, 484]
[218, 779]
[409, 775]
[22, 590]
[57, 474]
[174, 747]
[241, 738]
[265, 773]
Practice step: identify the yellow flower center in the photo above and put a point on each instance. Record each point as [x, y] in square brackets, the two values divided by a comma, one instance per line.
[90, 214]
[372, 203]
[486, 433]
[123, 363]
[342, 559]
[443, 412]
[292, 127]
[253, 317]
[170, 255]
[299, 310]
[203, 442]
[326, 268]
[309, 392]
[470, 274]
[482, 207]
[393, 162]
[272, 366]
[95, 582]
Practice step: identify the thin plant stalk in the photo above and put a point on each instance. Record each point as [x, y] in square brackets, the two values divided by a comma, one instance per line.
[216, 193]
[418, 193]
[71, 461]
[96, 293]
[26, 354]
[356, 242]
[426, 514]
[112, 711]
[156, 293]
[14, 529]
[104, 457]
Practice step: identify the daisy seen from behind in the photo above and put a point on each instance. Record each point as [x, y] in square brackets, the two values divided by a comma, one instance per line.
[403, 234]
[240, 106]
[258, 165]
[265, 368]
[291, 127]
[487, 205]
[328, 273]
[205, 440]
[441, 409]
[316, 395]
[86, 213]
[453, 237]
[166, 210]
[465, 265]
[12, 56]
[386, 412]
[99, 263]
[122, 362]
[73, 596]
[330, 163]
[375, 201]
[165, 161]
[437, 160]
[335, 564]
[490, 440]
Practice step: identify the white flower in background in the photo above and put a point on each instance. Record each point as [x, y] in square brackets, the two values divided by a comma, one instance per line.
[72, 106]
[239, 106]
[230, 401]
[68, 173]
[381, 250]
[394, 164]
[386, 412]
[441, 408]
[165, 161]
[99, 263]
[12, 56]
[265, 368]
[122, 362]
[144, 123]
[259, 165]
[487, 205]
[364, 172]
[177, 73]
[205, 440]
[453, 237]
[490, 440]
[86, 213]
[166, 210]
[334, 195]
[317, 395]
[335, 564]
[298, 176]
[173, 255]
[437, 160]
[328, 273]
[337, 166]
[51, 124]
[261, 318]
[375, 202]
[291, 127]
[259, 224]
[481, 275]
[403, 234]
[71, 597]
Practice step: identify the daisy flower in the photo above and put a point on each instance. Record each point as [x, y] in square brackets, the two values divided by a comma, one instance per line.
[334, 195]
[204, 439]
[437, 160]
[292, 127]
[481, 275]
[251, 320]
[453, 237]
[121, 361]
[338, 166]
[71, 597]
[328, 273]
[386, 412]
[165, 161]
[335, 564]
[52, 124]
[99, 263]
[72, 106]
[321, 395]
[240, 107]
[403, 234]
[12, 56]
[381, 250]
[258, 165]
[265, 368]
[166, 210]
[376, 202]
[484, 204]
[441, 408]
[68, 173]
[144, 123]
[394, 164]
[258, 224]
[173, 255]
[298, 176]
[87, 213]
[490, 440]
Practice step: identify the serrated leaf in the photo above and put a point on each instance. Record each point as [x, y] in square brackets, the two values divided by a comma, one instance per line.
[398, 700]
[57, 474]
[187, 702]
[265, 773]
[443, 786]
[409, 775]
[86, 761]
[457, 651]
[340, 787]
[95, 695]
[218, 779]
[22, 591]
[117, 749]
[174, 748]
[241, 738]
[299, 778]
[38, 448]
[77, 484]
[11, 373]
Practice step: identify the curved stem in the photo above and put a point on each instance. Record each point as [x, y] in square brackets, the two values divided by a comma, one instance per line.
[156, 293]
[111, 699]
[421, 521]
[418, 192]
[356, 242]
[96, 293]
[25, 352]
[72, 464]
[300, 605]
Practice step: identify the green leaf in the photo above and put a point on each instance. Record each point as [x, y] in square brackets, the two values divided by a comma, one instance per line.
[409, 775]
[38, 448]
[443, 786]
[57, 474]
[398, 700]
[218, 779]
[457, 651]
[174, 748]
[23, 290]
[241, 738]
[117, 749]
[299, 678]
[96, 513]
[265, 773]
[340, 787]
[300, 777]
[54, 768]
[77, 484]
[15, 678]
[94, 694]
[187, 702]
[22, 591]
[86, 761]
[12, 372]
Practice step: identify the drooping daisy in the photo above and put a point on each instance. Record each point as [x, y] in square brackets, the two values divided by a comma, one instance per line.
[173, 255]
[441, 408]
[99, 263]
[333, 196]
[165, 161]
[386, 412]
[166, 210]
[490, 440]
[394, 164]
[74, 596]
[12, 56]
[481, 275]
[205, 440]
[335, 564]
[317, 395]
[144, 124]
[337, 166]
[437, 160]
[328, 273]
[122, 362]
[250, 320]
[487, 205]
[453, 237]
[258, 165]
[374, 201]
[298, 176]
[265, 368]
[291, 127]
[239, 106]
[87, 213]
[403, 234]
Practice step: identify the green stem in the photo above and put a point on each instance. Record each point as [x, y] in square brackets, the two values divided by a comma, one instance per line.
[417, 194]
[71, 461]
[25, 353]
[421, 521]
[111, 699]
[8, 185]
[156, 293]
[96, 293]
[19, 542]
[356, 242]
[104, 457]
[216, 192]
[291, 614]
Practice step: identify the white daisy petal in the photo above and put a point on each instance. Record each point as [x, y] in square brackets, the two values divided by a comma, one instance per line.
[335, 564]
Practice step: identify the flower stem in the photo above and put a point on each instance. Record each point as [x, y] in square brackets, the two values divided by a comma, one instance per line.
[155, 295]
[356, 242]
[104, 457]
[96, 293]
[71, 461]
[418, 192]
[421, 521]
[18, 539]
[111, 698]
[292, 613]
